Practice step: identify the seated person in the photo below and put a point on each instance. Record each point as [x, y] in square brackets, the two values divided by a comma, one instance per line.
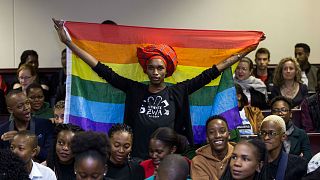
[297, 141]
[60, 157]
[251, 116]
[287, 82]
[25, 145]
[173, 167]
[212, 159]
[262, 59]
[90, 151]
[310, 73]
[26, 76]
[163, 141]
[31, 58]
[58, 112]
[310, 112]
[21, 119]
[120, 164]
[3, 85]
[247, 161]
[253, 88]
[39, 108]
[280, 164]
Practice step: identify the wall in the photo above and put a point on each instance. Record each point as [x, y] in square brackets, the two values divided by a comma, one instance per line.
[26, 24]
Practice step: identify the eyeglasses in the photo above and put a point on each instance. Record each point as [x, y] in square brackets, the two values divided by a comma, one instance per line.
[24, 77]
[277, 110]
[271, 134]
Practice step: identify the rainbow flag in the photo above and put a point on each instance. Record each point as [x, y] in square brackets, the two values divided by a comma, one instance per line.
[94, 104]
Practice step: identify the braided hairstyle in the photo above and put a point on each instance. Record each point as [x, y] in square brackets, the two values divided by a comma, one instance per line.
[52, 158]
[120, 127]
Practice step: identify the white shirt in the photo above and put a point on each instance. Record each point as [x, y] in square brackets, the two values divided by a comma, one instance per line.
[304, 78]
[245, 128]
[40, 171]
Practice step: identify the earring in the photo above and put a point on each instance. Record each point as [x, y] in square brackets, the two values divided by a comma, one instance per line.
[75, 172]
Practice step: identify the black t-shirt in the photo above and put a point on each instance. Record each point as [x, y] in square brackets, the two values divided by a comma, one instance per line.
[130, 170]
[156, 110]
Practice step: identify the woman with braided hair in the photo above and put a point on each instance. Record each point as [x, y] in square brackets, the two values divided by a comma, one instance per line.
[60, 158]
[120, 165]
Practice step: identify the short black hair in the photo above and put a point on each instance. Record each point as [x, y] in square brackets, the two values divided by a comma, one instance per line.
[29, 134]
[304, 46]
[109, 22]
[281, 98]
[33, 86]
[64, 51]
[90, 144]
[262, 51]
[216, 117]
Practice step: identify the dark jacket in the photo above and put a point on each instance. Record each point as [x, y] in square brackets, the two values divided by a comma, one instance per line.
[310, 113]
[42, 128]
[313, 75]
[296, 167]
[268, 81]
[130, 170]
[300, 143]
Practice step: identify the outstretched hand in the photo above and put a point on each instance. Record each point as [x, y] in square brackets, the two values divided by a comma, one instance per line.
[58, 25]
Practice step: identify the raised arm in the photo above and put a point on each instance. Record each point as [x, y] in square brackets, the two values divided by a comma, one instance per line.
[86, 57]
[233, 59]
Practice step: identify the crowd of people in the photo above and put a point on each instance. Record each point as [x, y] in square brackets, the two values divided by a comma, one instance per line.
[36, 144]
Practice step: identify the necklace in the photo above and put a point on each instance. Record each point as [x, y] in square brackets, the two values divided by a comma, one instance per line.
[291, 91]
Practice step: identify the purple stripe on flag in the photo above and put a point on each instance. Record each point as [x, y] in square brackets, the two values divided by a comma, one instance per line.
[233, 118]
[88, 124]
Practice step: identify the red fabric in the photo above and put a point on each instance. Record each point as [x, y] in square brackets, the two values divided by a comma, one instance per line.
[3, 85]
[147, 53]
[148, 167]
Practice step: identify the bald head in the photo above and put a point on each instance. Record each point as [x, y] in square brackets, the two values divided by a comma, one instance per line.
[173, 167]
[10, 97]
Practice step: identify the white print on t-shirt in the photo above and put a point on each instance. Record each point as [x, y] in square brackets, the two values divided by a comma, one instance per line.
[154, 107]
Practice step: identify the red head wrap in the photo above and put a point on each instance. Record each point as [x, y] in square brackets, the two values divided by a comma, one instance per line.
[161, 51]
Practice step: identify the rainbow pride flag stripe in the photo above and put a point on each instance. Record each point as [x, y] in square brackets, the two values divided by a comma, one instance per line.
[94, 104]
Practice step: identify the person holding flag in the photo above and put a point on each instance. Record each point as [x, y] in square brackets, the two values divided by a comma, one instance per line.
[153, 105]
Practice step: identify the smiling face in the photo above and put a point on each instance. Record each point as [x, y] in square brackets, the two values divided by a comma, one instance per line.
[243, 71]
[218, 136]
[63, 149]
[289, 70]
[158, 150]
[36, 98]
[156, 71]
[121, 144]
[244, 162]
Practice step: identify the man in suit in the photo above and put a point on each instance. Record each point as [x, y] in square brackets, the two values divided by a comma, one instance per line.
[21, 119]
[297, 142]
